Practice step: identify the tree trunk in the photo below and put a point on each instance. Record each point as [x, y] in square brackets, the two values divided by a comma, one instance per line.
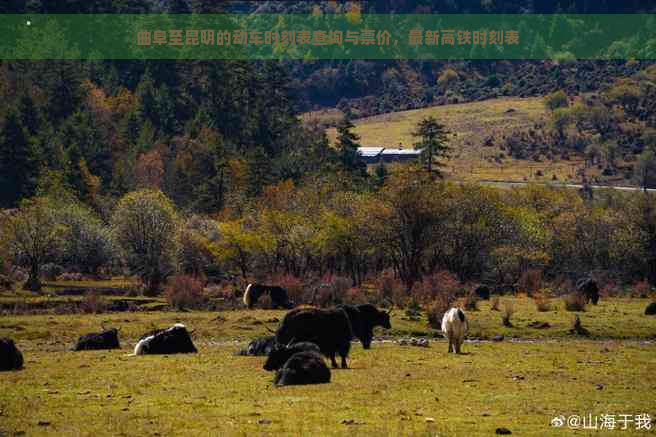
[33, 283]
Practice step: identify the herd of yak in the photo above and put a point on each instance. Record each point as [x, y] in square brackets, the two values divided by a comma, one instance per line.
[295, 351]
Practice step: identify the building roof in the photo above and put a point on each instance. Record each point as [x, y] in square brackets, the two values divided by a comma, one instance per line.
[401, 152]
[370, 151]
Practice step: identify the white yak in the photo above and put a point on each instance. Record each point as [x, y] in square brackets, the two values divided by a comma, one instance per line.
[454, 326]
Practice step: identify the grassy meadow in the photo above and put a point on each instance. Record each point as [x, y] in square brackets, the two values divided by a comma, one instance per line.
[520, 383]
[471, 124]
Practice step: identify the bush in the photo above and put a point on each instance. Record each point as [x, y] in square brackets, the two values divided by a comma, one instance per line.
[471, 302]
[388, 286]
[530, 281]
[296, 289]
[542, 304]
[440, 283]
[355, 296]
[641, 289]
[51, 271]
[93, 303]
[555, 100]
[494, 304]
[184, 292]
[575, 302]
[508, 311]
[436, 311]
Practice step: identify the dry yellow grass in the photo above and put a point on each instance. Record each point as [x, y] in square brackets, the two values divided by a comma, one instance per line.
[471, 124]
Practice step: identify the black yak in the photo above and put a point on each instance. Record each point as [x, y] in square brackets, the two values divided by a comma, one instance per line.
[483, 292]
[107, 339]
[589, 288]
[278, 295]
[303, 368]
[261, 346]
[281, 353]
[651, 309]
[364, 318]
[10, 357]
[330, 329]
[174, 340]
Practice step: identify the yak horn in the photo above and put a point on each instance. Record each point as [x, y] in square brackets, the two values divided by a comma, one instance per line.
[291, 342]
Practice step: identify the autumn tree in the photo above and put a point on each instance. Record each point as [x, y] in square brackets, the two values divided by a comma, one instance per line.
[34, 236]
[144, 225]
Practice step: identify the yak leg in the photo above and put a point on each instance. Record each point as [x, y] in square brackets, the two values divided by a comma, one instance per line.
[450, 342]
[458, 344]
[344, 364]
[332, 360]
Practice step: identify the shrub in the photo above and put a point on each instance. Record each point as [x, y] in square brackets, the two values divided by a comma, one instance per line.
[471, 302]
[494, 304]
[50, 271]
[555, 100]
[295, 287]
[641, 289]
[436, 311]
[542, 303]
[388, 286]
[93, 303]
[355, 296]
[530, 281]
[508, 311]
[184, 292]
[575, 302]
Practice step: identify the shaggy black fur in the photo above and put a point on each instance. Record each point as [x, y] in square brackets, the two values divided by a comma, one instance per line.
[330, 329]
[303, 368]
[10, 357]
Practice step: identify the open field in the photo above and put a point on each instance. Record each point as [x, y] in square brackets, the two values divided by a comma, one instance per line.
[471, 124]
[391, 389]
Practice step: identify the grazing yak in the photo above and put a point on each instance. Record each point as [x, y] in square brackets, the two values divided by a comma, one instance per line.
[107, 339]
[364, 318]
[483, 292]
[261, 346]
[278, 295]
[589, 288]
[281, 353]
[174, 340]
[10, 357]
[330, 329]
[455, 326]
[303, 368]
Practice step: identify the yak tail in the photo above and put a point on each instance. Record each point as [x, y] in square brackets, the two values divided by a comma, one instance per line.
[247, 296]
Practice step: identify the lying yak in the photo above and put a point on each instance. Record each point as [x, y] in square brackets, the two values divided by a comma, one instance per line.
[174, 340]
[261, 346]
[589, 288]
[303, 368]
[10, 357]
[454, 327]
[281, 353]
[364, 318]
[278, 295]
[482, 292]
[330, 329]
[107, 339]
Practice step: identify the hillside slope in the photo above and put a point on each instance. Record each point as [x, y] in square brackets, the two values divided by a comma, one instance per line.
[471, 125]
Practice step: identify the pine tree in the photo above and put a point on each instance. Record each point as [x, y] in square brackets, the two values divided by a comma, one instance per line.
[433, 138]
[18, 162]
[347, 145]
